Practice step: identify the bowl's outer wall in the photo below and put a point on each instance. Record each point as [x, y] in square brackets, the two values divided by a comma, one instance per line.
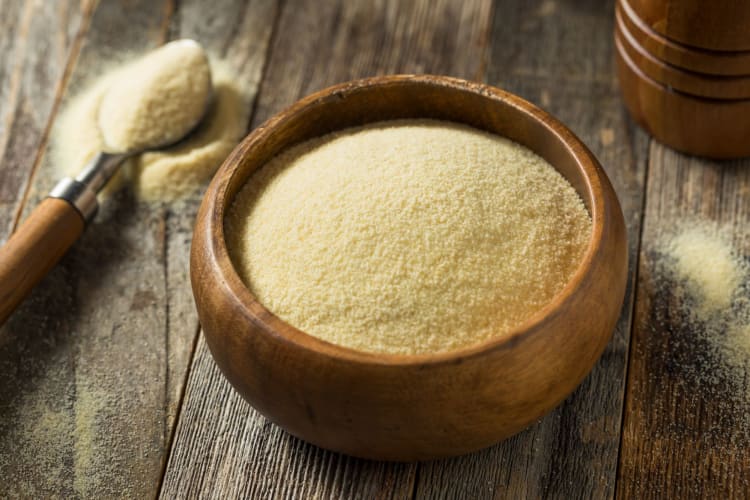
[388, 407]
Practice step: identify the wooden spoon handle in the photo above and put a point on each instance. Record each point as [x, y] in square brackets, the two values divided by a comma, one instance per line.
[34, 249]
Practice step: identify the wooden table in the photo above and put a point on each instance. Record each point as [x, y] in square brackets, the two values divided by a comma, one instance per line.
[106, 386]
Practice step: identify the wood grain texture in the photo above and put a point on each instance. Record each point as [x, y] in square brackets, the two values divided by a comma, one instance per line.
[111, 331]
[217, 441]
[85, 356]
[237, 33]
[337, 41]
[37, 46]
[36, 39]
[687, 426]
[542, 51]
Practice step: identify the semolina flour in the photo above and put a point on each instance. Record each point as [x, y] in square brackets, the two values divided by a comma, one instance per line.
[407, 237]
[102, 117]
[157, 99]
[708, 277]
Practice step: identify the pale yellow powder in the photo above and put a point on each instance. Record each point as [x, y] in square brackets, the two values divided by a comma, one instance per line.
[157, 99]
[39, 434]
[709, 277]
[173, 172]
[166, 174]
[407, 237]
[705, 259]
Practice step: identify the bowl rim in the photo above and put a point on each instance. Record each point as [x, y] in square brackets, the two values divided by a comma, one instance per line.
[594, 178]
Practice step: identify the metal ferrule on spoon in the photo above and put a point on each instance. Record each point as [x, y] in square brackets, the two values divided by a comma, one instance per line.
[51, 229]
[81, 191]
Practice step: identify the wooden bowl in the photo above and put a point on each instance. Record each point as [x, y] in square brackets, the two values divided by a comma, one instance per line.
[713, 25]
[397, 407]
[682, 56]
[699, 84]
[714, 128]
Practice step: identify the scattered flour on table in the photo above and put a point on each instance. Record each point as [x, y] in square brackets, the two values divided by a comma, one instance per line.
[407, 237]
[41, 433]
[709, 280]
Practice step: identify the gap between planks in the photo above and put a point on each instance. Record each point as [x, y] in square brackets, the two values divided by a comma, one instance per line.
[636, 276]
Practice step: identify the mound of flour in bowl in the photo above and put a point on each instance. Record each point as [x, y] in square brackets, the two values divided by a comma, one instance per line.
[407, 237]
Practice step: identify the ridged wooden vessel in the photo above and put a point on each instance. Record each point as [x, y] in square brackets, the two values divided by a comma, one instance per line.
[719, 25]
[712, 128]
[679, 77]
[726, 63]
[690, 82]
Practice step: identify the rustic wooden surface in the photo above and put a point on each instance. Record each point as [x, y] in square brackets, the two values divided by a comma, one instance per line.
[687, 429]
[95, 364]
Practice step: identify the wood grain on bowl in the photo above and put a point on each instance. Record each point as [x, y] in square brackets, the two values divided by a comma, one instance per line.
[410, 407]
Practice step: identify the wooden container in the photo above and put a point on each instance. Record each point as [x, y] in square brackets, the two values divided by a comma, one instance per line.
[699, 84]
[700, 126]
[714, 25]
[420, 407]
[682, 56]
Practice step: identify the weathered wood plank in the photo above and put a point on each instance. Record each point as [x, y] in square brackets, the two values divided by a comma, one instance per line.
[37, 44]
[687, 427]
[222, 447]
[325, 43]
[84, 357]
[126, 324]
[36, 39]
[559, 55]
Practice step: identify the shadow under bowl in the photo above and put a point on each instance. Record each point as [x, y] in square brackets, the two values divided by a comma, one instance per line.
[396, 407]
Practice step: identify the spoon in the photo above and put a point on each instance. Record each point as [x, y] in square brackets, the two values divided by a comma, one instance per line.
[59, 220]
